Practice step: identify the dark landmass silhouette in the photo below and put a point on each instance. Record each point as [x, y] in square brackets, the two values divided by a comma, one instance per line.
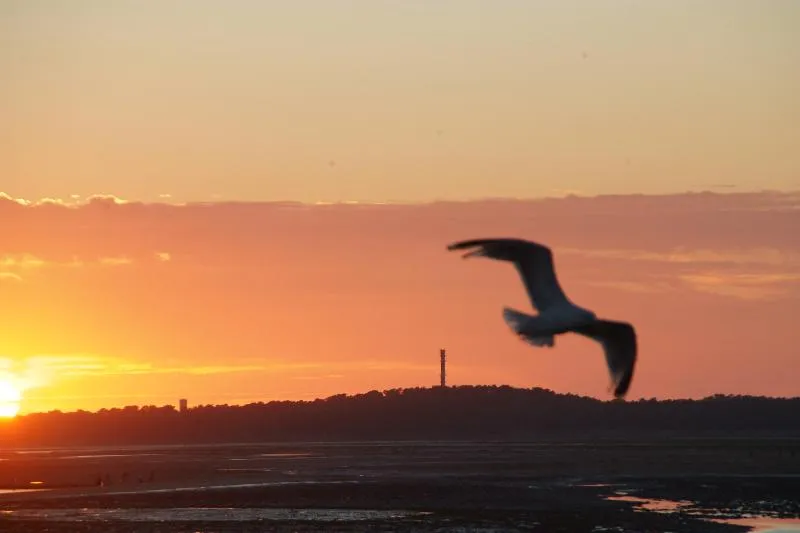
[452, 413]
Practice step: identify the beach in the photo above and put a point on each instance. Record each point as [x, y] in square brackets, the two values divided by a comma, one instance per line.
[677, 484]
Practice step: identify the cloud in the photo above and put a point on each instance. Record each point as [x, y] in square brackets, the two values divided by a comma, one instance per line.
[71, 365]
[27, 261]
[44, 368]
[115, 261]
[21, 261]
[46, 371]
[683, 227]
[654, 287]
[321, 376]
[105, 200]
[73, 201]
[52, 201]
[755, 256]
[391, 365]
[744, 286]
[43, 372]
[759, 273]
[7, 198]
[233, 292]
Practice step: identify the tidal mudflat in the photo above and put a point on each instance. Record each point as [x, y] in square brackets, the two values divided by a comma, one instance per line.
[677, 484]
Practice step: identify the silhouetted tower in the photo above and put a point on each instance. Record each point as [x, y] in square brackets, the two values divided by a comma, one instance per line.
[443, 356]
[183, 403]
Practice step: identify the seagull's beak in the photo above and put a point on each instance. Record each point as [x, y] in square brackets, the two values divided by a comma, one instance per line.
[474, 253]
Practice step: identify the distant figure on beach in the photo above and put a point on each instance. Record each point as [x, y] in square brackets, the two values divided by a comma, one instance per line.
[557, 314]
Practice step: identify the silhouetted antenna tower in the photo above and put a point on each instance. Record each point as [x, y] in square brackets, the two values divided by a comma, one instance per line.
[443, 356]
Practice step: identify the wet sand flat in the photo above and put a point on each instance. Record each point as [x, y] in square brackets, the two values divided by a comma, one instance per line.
[401, 486]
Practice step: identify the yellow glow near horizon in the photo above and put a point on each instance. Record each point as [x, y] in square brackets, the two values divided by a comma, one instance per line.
[10, 396]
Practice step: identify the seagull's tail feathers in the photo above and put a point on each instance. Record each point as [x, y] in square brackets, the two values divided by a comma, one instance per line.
[517, 320]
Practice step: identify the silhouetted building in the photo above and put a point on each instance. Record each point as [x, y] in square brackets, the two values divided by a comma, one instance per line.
[184, 405]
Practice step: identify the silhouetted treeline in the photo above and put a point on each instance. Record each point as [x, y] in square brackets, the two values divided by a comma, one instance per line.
[479, 412]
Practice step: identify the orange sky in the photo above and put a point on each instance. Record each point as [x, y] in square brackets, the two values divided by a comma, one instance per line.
[108, 304]
[213, 113]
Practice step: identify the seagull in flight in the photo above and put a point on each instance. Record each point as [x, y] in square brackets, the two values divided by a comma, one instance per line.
[557, 314]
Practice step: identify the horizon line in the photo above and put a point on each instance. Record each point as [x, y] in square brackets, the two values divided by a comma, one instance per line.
[428, 387]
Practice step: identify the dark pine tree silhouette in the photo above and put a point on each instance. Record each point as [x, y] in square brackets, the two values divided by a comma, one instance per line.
[454, 413]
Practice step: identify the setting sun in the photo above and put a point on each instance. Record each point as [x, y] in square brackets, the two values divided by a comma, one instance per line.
[10, 397]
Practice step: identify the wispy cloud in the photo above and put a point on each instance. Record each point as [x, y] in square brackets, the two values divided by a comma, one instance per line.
[41, 369]
[67, 366]
[744, 286]
[27, 261]
[21, 261]
[319, 376]
[755, 256]
[755, 274]
[653, 287]
[389, 365]
[115, 261]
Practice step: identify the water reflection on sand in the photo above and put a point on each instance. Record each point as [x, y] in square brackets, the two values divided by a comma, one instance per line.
[225, 486]
[230, 514]
[758, 524]
[766, 525]
[653, 504]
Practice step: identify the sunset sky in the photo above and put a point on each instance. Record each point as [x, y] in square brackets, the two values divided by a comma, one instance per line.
[293, 171]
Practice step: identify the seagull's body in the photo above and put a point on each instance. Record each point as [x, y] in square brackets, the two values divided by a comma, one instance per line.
[557, 314]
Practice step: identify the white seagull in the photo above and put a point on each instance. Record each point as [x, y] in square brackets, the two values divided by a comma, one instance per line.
[557, 314]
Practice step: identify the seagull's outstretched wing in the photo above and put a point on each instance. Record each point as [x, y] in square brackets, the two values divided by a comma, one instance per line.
[533, 261]
[619, 344]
